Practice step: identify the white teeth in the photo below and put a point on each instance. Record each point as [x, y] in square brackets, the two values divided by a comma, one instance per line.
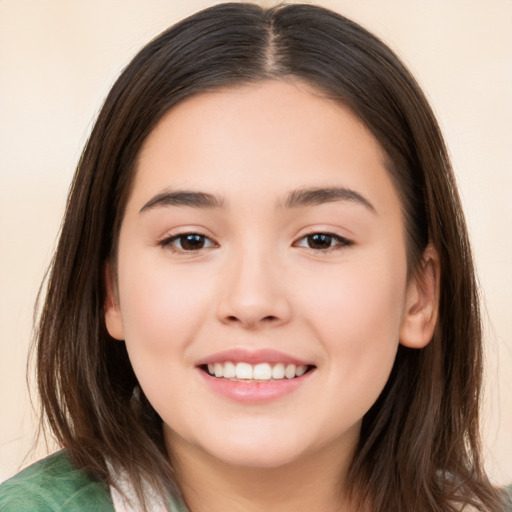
[278, 371]
[301, 370]
[260, 372]
[229, 370]
[218, 369]
[290, 371]
[243, 371]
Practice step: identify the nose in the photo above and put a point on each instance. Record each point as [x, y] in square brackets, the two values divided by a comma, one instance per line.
[253, 295]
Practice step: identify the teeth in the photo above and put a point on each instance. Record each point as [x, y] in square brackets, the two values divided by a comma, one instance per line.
[290, 371]
[229, 370]
[261, 371]
[278, 371]
[301, 370]
[243, 371]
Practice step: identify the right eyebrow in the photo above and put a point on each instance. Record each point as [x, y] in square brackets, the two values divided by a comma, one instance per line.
[184, 198]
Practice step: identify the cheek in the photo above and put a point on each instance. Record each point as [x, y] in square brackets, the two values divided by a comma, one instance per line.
[162, 309]
[356, 312]
[162, 313]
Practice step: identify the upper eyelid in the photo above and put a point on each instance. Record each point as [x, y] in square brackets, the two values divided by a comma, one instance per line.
[179, 231]
[325, 232]
[327, 227]
[168, 239]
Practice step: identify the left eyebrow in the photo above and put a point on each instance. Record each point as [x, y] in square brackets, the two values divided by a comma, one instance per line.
[188, 198]
[302, 198]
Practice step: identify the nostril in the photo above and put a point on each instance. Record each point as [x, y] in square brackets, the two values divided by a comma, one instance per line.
[269, 318]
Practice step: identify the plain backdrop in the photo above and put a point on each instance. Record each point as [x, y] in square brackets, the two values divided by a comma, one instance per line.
[58, 59]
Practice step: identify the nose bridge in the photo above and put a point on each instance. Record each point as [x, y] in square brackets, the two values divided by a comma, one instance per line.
[253, 293]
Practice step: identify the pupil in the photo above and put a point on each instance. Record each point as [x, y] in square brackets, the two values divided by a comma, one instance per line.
[191, 242]
[319, 241]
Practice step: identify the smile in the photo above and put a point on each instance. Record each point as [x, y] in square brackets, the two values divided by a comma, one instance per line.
[260, 372]
[254, 376]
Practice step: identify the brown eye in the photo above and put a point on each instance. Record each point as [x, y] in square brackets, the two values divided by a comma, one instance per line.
[187, 242]
[191, 242]
[319, 241]
[323, 241]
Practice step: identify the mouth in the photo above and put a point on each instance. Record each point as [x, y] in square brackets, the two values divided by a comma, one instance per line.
[261, 372]
[255, 376]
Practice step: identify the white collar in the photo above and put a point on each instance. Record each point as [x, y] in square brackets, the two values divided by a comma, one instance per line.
[127, 501]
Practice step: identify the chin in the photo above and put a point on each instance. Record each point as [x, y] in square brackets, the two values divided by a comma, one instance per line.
[255, 457]
[245, 447]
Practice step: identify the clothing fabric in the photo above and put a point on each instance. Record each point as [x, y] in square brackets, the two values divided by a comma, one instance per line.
[55, 485]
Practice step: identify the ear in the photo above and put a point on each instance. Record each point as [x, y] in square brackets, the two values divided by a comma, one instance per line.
[422, 302]
[113, 318]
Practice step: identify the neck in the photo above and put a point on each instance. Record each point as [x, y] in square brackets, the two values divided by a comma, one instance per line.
[313, 482]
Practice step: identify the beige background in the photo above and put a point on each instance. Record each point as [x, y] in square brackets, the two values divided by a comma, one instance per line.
[57, 61]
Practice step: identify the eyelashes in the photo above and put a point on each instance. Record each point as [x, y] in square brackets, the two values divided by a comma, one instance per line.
[318, 242]
[322, 241]
[188, 242]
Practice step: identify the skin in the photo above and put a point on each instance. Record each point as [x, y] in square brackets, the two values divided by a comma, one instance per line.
[259, 283]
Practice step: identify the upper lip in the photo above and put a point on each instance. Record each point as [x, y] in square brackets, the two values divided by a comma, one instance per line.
[242, 355]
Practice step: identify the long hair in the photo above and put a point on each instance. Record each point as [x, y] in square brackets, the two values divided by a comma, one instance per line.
[419, 445]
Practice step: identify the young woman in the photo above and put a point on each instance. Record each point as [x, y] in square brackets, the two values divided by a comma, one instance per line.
[263, 296]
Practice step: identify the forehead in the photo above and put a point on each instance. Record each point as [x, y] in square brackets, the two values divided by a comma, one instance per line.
[267, 137]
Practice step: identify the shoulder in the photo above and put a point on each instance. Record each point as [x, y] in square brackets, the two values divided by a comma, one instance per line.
[53, 485]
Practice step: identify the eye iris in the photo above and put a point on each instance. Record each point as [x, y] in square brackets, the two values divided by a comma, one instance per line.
[319, 241]
[192, 242]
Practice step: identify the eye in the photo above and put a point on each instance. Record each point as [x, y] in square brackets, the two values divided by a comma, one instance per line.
[187, 242]
[322, 241]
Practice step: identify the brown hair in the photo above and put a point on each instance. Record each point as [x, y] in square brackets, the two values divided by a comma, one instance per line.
[419, 446]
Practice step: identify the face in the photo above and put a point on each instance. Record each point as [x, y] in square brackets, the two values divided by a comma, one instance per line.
[261, 283]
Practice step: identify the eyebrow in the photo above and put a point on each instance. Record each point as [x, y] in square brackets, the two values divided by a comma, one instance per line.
[315, 196]
[188, 198]
[300, 198]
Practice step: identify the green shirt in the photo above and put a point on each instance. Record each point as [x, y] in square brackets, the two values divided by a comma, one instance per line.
[55, 485]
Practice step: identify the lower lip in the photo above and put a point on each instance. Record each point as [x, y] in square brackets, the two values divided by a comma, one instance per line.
[254, 392]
